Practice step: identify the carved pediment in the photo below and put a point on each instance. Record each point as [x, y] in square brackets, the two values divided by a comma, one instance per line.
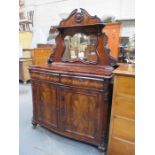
[81, 17]
[81, 40]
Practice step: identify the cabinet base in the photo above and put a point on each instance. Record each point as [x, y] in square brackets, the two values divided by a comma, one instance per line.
[102, 147]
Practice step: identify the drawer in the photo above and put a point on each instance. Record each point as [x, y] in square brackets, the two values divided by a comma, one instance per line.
[81, 82]
[125, 85]
[49, 77]
[118, 147]
[124, 106]
[123, 128]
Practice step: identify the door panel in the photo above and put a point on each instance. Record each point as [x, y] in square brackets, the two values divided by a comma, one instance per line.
[46, 104]
[81, 113]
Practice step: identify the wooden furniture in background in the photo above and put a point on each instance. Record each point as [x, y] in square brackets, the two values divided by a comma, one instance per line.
[72, 97]
[112, 30]
[25, 39]
[24, 62]
[24, 74]
[122, 125]
[52, 46]
[27, 53]
[41, 55]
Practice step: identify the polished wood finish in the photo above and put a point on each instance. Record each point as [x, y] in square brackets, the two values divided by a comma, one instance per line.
[45, 94]
[112, 30]
[73, 98]
[24, 74]
[122, 125]
[82, 22]
[80, 100]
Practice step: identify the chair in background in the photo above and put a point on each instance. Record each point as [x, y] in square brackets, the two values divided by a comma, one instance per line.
[26, 22]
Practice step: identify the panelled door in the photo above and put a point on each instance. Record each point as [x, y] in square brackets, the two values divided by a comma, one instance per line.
[45, 103]
[81, 113]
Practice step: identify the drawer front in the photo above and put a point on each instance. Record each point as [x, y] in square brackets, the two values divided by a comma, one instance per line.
[48, 77]
[124, 129]
[80, 82]
[125, 85]
[118, 147]
[124, 106]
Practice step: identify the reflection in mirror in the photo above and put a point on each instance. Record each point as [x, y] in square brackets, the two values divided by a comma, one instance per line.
[80, 47]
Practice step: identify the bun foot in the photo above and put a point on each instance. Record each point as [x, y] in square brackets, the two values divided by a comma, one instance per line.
[102, 148]
[34, 125]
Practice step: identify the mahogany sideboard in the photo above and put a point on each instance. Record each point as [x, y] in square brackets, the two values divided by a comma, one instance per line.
[122, 124]
[71, 94]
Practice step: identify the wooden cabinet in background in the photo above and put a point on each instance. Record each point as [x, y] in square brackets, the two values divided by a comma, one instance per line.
[113, 32]
[25, 39]
[122, 125]
[27, 53]
[41, 55]
[24, 74]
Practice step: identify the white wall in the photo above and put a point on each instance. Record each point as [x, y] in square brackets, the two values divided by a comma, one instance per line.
[48, 12]
[128, 28]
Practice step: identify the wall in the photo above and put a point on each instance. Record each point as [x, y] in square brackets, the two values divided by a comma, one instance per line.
[50, 12]
[128, 28]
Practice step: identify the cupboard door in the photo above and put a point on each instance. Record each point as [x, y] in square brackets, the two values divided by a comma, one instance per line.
[81, 113]
[45, 103]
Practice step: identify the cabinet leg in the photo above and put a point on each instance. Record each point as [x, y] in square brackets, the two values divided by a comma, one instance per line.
[102, 147]
[34, 125]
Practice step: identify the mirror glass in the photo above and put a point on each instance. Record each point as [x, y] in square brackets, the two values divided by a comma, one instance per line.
[80, 47]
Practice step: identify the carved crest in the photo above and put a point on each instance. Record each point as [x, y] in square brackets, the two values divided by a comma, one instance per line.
[78, 17]
[81, 17]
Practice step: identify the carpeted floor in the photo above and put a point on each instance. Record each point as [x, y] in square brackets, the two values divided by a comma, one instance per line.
[41, 141]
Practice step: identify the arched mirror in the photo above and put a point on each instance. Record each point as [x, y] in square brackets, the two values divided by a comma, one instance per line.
[80, 47]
